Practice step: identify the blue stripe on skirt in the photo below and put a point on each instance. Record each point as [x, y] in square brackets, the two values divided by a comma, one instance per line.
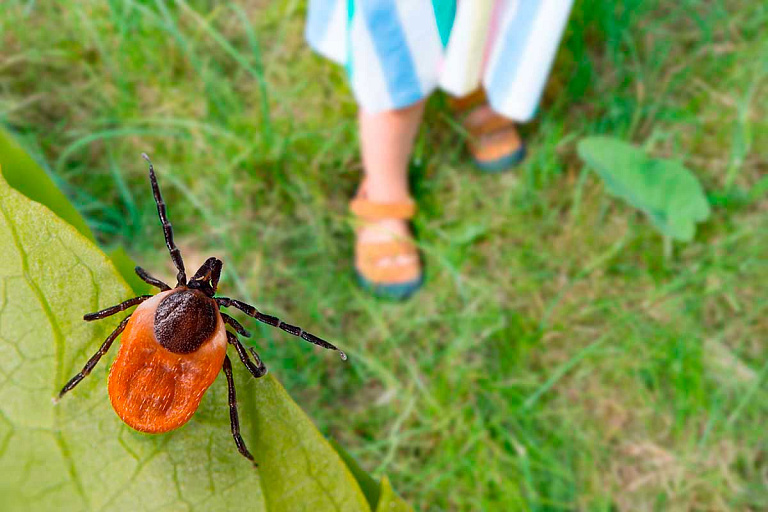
[515, 38]
[386, 31]
[319, 20]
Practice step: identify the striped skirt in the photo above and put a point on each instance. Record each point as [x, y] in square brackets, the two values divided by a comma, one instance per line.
[397, 52]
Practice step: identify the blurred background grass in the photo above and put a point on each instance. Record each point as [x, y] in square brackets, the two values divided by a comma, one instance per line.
[556, 359]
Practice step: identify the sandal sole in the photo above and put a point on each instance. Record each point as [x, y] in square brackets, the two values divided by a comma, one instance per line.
[395, 291]
[502, 164]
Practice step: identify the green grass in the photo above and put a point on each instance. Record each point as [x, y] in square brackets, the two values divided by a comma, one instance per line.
[556, 359]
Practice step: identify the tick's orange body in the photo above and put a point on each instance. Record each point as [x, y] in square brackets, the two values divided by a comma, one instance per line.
[153, 389]
[175, 344]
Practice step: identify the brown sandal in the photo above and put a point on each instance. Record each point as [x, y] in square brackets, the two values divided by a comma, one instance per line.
[397, 280]
[495, 144]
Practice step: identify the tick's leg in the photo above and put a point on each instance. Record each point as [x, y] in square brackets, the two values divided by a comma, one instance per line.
[181, 276]
[257, 370]
[104, 313]
[74, 381]
[233, 419]
[275, 322]
[235, 324]
[144, 275]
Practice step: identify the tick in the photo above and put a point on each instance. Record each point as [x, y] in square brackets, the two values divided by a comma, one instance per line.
[174, 344]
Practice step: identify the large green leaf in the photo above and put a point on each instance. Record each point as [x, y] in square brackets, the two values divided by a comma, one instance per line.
[381, 496]
[26, 176]
[77, 455]
[665, 190]
[389, 501]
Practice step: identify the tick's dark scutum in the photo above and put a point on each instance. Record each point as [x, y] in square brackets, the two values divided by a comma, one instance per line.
[184, 320]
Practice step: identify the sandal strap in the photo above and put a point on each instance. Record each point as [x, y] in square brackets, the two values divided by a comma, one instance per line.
[378, 250]
[369, 255]
[493, 124]
[391, 274]
[371, 211]
[500, 144]
[466, 103]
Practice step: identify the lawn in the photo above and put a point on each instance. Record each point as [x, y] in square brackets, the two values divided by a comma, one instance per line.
[558, 358]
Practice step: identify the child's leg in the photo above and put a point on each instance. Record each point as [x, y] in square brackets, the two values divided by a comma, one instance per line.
[386, 142]
[385, 257]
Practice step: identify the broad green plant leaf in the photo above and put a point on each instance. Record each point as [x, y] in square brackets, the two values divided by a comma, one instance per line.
[664, 190]
[388, 500]
[26, 176]
[368, 485]
[380, 496]
[125, 266]
[78, 455]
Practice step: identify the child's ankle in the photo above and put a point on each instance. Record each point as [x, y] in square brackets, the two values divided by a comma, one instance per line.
[387, 190]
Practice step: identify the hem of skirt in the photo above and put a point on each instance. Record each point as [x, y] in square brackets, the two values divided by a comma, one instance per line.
[317, 47]
[515, 114]
[399, 105]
